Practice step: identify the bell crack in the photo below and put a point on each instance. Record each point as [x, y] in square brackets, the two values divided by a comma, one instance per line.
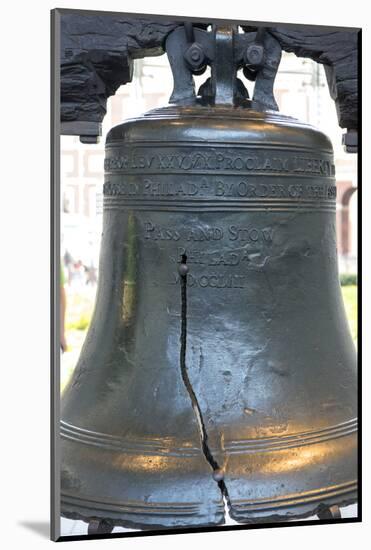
[218, 474]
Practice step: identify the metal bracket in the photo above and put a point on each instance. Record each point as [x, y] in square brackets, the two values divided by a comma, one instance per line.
[100, 527]
[97, 54]
[180, 46]
[190, 50]
[330, 512]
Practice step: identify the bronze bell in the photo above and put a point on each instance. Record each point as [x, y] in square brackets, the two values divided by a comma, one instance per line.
[218, 371]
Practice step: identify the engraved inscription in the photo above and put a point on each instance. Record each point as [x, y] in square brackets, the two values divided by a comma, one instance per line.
[213, 280]
[222, 256]
[217, 188]
[256, 161]
[200, 234]
[225, 257]
[244, 189]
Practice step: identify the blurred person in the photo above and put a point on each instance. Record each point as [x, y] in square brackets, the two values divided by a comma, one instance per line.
[79, 273]
[91, 275]
[68, 262]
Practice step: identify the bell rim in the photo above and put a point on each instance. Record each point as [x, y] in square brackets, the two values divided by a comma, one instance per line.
[341, 495]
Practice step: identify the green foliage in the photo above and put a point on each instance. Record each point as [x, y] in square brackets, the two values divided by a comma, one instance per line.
[81, 323]
[348, 279]
[350, 302]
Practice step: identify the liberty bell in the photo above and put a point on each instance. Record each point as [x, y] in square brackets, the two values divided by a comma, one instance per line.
[218, 376]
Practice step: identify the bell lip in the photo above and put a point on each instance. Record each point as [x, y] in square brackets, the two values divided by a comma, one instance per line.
[185, 123]
[284, 515]
[142, 526]
[144, 520]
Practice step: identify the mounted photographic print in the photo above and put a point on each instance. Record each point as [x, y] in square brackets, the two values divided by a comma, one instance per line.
[205, 274]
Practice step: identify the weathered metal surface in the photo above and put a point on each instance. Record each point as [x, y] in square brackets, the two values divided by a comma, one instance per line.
[219, 364]
[337, 51]
[97, 54]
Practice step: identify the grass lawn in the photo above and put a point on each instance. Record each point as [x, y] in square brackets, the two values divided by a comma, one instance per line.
[350, 301]
[80, 304]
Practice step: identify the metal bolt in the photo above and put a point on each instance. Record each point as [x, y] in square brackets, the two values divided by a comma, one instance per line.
[218, 475]
[254, 55]
[183, 269]
[194, 56]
